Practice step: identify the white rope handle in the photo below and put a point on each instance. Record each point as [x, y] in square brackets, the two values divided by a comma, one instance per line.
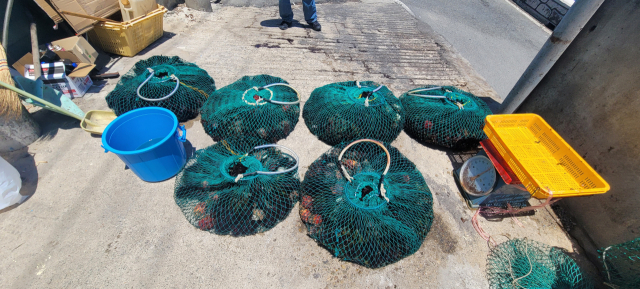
[157, 99]
[604, 260]
[414, 92]
[375, 90]
[516, 281]
[366, 100]
[266, 87]
[283, 102]
[293, 154]
[383, 191]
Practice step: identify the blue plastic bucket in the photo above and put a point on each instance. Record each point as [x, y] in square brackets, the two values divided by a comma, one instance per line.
[147, 140]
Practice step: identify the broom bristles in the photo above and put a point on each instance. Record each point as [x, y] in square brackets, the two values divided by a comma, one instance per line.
[10, 102]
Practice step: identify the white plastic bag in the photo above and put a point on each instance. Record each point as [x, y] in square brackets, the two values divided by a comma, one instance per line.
[10, 184]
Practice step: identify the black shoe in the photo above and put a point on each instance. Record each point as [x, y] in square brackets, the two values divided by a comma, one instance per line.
[315, 26]
[285, 25]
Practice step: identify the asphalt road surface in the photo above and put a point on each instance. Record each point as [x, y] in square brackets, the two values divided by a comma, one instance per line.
[494, 36]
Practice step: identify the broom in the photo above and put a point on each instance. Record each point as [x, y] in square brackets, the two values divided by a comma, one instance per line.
[10, 103]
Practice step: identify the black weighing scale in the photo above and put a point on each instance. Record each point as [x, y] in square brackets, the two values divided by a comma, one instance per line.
[483, 187]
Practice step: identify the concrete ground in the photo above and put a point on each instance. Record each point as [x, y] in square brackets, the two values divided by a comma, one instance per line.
[93, 224]
[497, 37]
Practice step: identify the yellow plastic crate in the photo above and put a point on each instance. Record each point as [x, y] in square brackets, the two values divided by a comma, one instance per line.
[540, 158]
[129, 38]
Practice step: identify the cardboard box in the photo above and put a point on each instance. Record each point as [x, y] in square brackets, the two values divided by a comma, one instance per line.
[53, 14]
[76, 49]
[53, 75]
[99, 8]
[26, 63]
[49, 71]
[76, 84]
[71, 87]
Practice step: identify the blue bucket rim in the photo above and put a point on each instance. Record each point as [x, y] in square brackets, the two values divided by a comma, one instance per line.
[107, 147]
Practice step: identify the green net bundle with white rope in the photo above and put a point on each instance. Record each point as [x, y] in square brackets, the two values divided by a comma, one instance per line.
[445, 116]
[622, 264]
[523, 263]
[346, 111]
[238, 186]
[163, 81]
[260, 106]
[366, 203]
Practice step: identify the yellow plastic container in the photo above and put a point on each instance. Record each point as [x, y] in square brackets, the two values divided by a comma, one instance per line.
[540, 158]
[131, 9]
[95, 121]
[129, 38]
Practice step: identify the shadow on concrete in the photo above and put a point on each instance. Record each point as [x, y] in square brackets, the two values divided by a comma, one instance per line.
[567, 221]
[51, 122]
[97, 86]
[590, 270]
[189, 124]
[493, 105]
[462, 148]
[170, 4]
[274, 23]
[103, 59]
[165, 37]
[457, 158]
[189, 149]
[104, 62]
[107, 67]
[26, 165]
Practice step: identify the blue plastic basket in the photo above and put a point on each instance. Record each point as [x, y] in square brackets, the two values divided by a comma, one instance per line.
[148, 142]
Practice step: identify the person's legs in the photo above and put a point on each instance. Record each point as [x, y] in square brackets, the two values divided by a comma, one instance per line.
[309, 8]
[285, 10]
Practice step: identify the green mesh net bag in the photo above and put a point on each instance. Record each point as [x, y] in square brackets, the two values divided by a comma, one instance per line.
[238, 187]
[366, 204]
[622, 264]
[445, 116]
[260, 106]
[346, 111]
[522, 263]
[163, 81]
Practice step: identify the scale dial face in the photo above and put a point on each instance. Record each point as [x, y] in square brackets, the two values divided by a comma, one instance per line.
[478, 176]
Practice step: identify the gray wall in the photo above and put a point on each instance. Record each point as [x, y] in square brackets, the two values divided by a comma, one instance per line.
[591, 97]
